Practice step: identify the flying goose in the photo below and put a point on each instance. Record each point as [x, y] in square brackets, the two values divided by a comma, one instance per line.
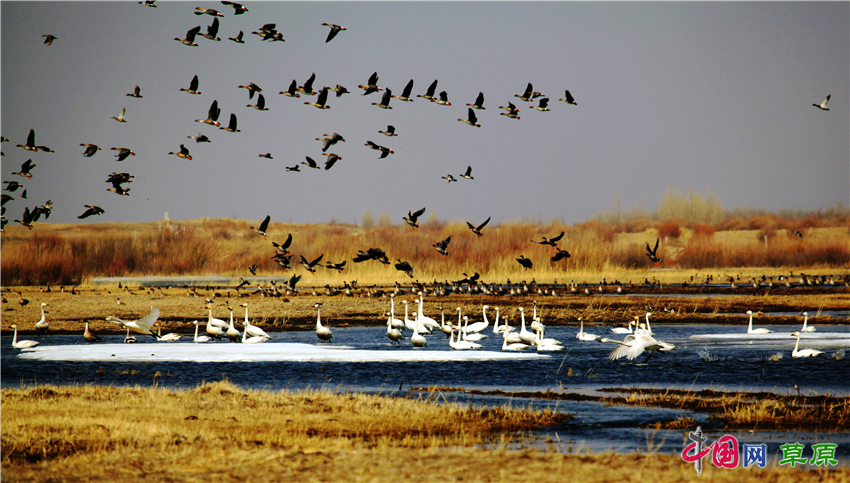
[330, 140]
[238, 38]
[340, 90]
[49, 39]
[25, 169]
[307, 88]
[443, 100]
[252, 88]
[292, 91]
[384, 150]
[553, 242]
[260, 105]
[429, 94]
[568, 98]
[310, 162]
[472, 120]
[468, 174]
[123, 153]
[190, 37]
[371, 86]
[525, 262]
[526, 96]
[332, 158]
[184, 153]
[90, 149]
[449, 178]
[232, 126]
[477, 230]
[212, 117]
[412, 216]
[310, 266]
[442, 246]
[544, 102]
[208, 11]
[334, 30]
[822, 105]
[385, 100]
[212, 31]
[479, 102]
[263, 227]
[92, 210]
[238, 8]
[193, 86]
[389, 132]
[200, 138]
[653, 253]
[320, 102]
[135, 93]
[405, 94]
[404, 267]
[120, 117]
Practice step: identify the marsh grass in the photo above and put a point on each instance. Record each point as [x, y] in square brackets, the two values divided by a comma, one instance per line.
[219, 432]
[70, 254]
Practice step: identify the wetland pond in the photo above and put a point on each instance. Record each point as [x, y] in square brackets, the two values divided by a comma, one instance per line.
[401, 371]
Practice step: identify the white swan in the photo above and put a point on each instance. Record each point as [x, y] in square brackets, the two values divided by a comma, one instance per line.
[525, 336]
[546, 347]
[428, 322]
[396, 323]
[221, 324]
[461, 344]
[750, 329]
[477, 327]
[446, 328]
[804, 352]
[232, 332]
[547, 341]
[517, 346]
[24, 344]
[212, 328]
[393, 334]
[648, 328]
[582, 335]
[497, 328]
[141, 326]
[623, 330]
[129, 339]
[257, 339]
[41, 326]
[417, 339]
[467, 335]
[202, 338]
[323, 332]
[89, 336]
[167, 337]
[805, 328]
[253, 330]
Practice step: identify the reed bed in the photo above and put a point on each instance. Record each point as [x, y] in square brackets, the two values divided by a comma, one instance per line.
[70, 254]
[219, 432]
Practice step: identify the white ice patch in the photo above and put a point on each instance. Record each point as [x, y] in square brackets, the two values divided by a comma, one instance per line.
[293, 352]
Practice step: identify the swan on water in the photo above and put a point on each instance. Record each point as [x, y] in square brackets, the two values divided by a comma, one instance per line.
[417, 339]
[232, 332]
[212, 328]
[202, 338]
[806, 327]
[396, 323]
[623, 330]
[461, 344]
[323, 332]
[582, 335]
[24, 344]
[750, 329]
[516, 346]
[477, 327]
[803, 352]
[392, 333]
[525, 336]
[256, 339]
[467, 335]
[424, 320]
[253, 330]
[167, 337]
[546, 347]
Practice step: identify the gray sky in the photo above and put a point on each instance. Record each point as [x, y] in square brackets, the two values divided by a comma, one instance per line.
[693, 96]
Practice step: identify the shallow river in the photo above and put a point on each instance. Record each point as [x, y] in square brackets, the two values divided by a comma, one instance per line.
[584, 367]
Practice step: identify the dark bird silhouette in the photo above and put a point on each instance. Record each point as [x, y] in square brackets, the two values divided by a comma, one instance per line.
[260, 105]
[553, 242]
[372, 254]
[479, 102]
[560, 255]
[239, 9]
[653, 253]
[193, 86]
[90, 149]
[49, 39]
[525, 262]
[340, 90]
[190, 37]
[91, 210]
[253, 269]
[449, 178]
[148, 3]
[795, 232]
[443, 100]
[232, 126]
[389, 132]
[310, 162]
[330, 140]
[404, 267]
[123, 153]
[267, 31]
[283, 260]
[27, 218]
[266, 155]
[25, 169]
[238, 38]
[30, 145]
[212, 117]
[568, 98]
[471, 119]
[310, 266]
[371, 86]
[320, 102]
[822, 105]
[208, 11]
[292, 91]
[290, 285]
[442, 246]
[183, 153]
[212, 31]
[339, 267]
[332, 159]
[412, 216]
[429, 94]
[307, 88]
[384, 150]
[385, 100]
[468, 174]
[477, 230]
[136, 93]
[263, 227]
[295, 168]
[284, 247]
[405, 94]
[252, 88]
[526, 96]
[543, 106]
[200, 138]
[335, 29]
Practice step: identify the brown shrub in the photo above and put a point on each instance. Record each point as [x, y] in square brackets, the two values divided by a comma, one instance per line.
[703, 231]
[669, 230]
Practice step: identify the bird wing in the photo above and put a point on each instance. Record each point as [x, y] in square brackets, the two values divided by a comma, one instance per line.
[385, 100]
[373, 79]
[544, 102]
[330, 161]
[214, 110]
[472, 118]
[528, 90]
[147, 321]
[311, 162]
[193, 85]
[407, 89]
[470, 225]
[265, 224]
[334, 30]
[557, 238]
[323, 96]
[468, 171]
[480, 100]
[31, 138]
[308, 86]
[287, 242]
[416, 214]
[261, 102]
[212, 30]
[232, 121]
[314, 262]
[190, 35]
[484, 224]
[432, 88]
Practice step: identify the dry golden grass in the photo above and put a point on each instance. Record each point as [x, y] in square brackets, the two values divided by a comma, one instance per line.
[218, 432]
[72, 254]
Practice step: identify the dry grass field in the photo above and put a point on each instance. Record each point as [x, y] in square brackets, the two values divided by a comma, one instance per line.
[219, 432]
